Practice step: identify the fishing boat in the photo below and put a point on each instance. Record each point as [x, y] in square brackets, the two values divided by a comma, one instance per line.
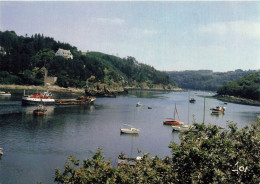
[3, 93]
[44, 98]
[173, 121]
[40, 110]
[218, 109]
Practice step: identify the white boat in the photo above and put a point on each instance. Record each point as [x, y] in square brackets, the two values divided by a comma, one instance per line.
[2, 93]
[138, 104]
[44, 98]
[183, 128]
[131, 130]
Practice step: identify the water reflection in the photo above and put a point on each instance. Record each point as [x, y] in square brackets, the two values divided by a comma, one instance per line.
[29, 109]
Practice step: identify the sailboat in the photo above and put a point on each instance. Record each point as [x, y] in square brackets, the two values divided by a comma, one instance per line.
[185, 127]
[173, 121]
[130, 130]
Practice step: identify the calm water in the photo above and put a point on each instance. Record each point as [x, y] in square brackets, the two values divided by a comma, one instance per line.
[35, 146]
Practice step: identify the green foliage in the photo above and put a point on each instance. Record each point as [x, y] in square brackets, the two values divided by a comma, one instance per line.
[129, 69]
[6, 78]
[26, 54]
[209, 155]
[205, 79]
[246, 87]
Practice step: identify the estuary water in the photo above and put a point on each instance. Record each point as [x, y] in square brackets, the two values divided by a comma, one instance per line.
[34, 146]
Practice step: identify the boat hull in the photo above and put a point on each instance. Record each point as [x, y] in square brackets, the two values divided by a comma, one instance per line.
[36, 101]
[39, 113]
[5, 94]
[129, 131]
[172, 122]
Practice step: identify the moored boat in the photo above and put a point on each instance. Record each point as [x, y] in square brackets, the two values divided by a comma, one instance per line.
[44, 98]
[3, 93]
[184, 128]
[192, 100]
[173, 121]
[218, 109]
[1, 152]
[79, 101]
[138, 104]
[40, 110]
[131, 130]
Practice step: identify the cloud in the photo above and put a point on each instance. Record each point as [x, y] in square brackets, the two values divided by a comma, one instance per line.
[235, 28]
[114, 21]
[144, 32]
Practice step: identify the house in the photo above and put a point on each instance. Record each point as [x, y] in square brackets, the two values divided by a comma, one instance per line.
[64, 53]
[2, 51]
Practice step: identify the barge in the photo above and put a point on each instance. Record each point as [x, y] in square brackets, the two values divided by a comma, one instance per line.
[78, 101]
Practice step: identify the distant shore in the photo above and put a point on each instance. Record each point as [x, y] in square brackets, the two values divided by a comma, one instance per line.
[238, 100]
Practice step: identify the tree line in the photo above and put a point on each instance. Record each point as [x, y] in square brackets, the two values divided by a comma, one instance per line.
[205, 79]
[246, 87]
[26, 56]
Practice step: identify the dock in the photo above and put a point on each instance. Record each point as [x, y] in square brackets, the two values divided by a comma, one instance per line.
[78, 101]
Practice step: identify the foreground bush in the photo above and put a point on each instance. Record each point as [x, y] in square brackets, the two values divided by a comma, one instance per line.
[210, 155]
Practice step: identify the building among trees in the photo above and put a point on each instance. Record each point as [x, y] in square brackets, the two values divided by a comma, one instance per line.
[64, 53]
[2, 51]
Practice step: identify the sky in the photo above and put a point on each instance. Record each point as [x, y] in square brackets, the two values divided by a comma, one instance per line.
[168, 35]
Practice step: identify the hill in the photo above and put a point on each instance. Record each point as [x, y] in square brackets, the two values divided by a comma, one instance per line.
[22, 60]
[205, 79]
[245, 87]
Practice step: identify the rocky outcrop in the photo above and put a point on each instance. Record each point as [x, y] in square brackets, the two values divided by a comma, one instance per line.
[104, 92]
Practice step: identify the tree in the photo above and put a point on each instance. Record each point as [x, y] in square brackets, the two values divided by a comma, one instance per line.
[209, 155]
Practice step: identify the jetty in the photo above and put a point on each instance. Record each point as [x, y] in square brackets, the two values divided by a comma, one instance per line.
[81, 100]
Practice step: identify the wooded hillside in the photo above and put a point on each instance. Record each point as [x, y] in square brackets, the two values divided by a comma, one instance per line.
[23, 58]
[205, 79]
[246, 87]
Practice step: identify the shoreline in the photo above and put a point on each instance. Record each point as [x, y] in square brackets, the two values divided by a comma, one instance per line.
[43, 88]
[155, 89]
[7, 87]
[237, 100]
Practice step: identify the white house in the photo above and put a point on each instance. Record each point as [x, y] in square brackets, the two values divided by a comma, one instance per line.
[2, 51]
[64, 53]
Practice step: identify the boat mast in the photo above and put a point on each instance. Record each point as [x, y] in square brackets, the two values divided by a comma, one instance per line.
[204, 110]
[188, 108]
[174, 111]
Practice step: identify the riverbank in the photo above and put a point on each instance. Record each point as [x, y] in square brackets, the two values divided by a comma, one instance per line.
[41, 88]
[155, 89]
[92, 92]
[233, 99]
